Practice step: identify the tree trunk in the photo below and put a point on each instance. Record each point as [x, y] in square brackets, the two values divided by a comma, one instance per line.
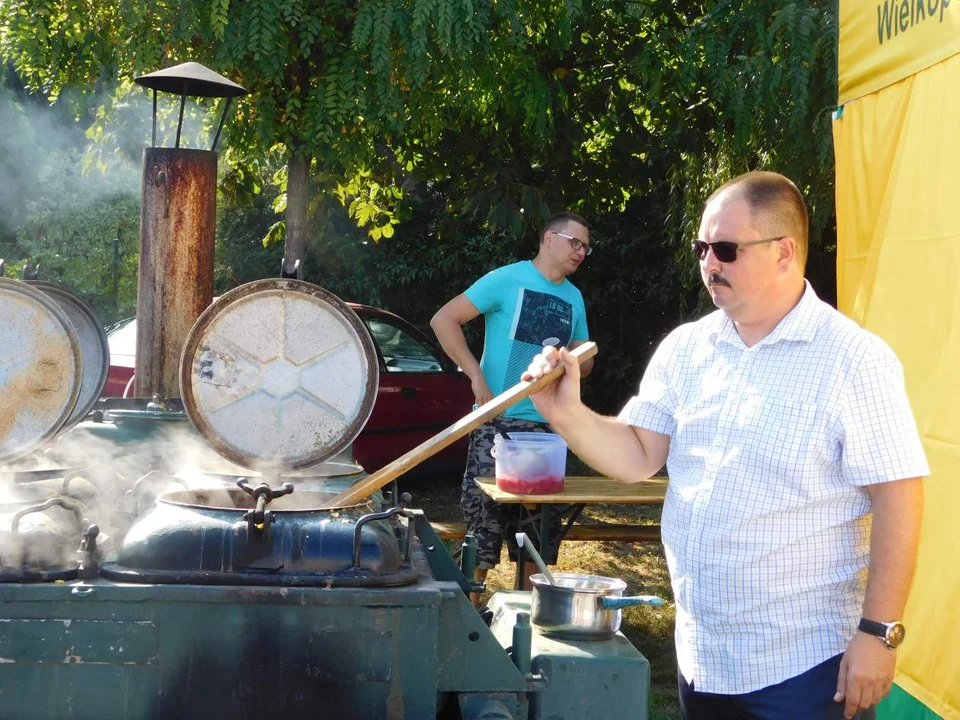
[298, 192]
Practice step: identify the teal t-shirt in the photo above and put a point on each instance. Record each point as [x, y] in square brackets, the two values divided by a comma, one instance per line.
[523, 312]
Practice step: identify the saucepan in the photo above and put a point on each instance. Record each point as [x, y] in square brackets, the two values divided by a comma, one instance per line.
[581, 607]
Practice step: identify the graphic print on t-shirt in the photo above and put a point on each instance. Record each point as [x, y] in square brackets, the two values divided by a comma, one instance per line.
[539, 320]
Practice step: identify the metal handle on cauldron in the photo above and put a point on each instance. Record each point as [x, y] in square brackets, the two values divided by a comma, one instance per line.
[89, 566]
[134, 493]
[618, 603]
[73, 475]
[16, 550]
[62, 502]
[258, 518]
[364, 519]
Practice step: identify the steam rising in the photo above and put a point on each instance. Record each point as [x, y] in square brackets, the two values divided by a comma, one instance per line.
[67, 190]
[111, 481]
[114, 473]
[70, 188]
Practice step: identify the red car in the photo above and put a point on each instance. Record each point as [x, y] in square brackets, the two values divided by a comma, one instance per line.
[421, 390]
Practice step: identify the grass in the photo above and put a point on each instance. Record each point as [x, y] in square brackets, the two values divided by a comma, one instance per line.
[641, 565]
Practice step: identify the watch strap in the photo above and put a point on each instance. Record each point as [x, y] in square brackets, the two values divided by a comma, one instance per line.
[872, 627]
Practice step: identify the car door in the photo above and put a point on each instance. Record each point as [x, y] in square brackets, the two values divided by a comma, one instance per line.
[421, 393]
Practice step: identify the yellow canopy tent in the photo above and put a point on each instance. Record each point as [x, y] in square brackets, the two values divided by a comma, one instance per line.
[897, 142]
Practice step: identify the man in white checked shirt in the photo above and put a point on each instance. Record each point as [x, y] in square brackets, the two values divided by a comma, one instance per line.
[787, 434]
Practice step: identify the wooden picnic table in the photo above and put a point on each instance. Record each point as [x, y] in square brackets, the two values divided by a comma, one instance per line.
[578, 492]
[585, 490]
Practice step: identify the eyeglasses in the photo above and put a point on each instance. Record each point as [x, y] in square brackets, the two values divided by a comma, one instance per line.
[726, 250]
[576, 243]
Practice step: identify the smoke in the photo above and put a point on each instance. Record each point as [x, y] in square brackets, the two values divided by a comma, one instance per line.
[70, 188]
[34, 134]
[64, 213]
[124, 123]
[19, 158]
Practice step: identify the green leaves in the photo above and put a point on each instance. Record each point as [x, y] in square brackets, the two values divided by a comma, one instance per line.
[363, 25]
[371, 205]
[513, 108]
[219, 17]
[380, 51]
[743, 86]
[276, 234]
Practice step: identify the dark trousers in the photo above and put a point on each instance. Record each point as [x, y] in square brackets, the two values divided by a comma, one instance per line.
[805, 697]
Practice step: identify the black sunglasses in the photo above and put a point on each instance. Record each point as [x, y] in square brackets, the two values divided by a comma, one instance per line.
[726, 250]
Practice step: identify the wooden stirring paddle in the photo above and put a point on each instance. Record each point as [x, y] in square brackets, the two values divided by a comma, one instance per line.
[388, 473]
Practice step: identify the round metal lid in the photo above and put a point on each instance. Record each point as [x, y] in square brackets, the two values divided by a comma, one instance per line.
[94, 348]
[278, 375]
[40, 368]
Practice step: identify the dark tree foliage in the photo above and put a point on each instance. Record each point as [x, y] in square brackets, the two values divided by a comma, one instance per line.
[438, 146]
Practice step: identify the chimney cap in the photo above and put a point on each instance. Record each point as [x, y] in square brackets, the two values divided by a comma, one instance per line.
[192, 79]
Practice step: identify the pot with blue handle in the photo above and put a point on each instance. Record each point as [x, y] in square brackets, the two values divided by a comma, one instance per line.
[581, 607]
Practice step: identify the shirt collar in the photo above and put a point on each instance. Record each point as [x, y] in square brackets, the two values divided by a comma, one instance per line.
[800, 324]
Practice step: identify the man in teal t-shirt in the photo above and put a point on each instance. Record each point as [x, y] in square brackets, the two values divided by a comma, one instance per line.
[525, 306]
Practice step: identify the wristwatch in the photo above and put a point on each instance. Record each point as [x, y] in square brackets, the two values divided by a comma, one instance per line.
[892, 633]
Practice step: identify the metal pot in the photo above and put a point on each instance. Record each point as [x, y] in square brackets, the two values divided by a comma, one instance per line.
[581, 607]
[262, 536]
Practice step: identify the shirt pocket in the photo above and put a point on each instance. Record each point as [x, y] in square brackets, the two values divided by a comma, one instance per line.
[786, 439]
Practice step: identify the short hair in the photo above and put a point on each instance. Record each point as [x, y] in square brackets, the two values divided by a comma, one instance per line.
[776, 204]
[560, 220]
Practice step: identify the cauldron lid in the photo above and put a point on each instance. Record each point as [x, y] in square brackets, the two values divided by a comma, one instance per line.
[94, 348]
[41, 368]
[279, 375]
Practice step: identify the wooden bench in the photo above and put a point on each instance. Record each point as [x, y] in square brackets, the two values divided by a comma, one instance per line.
[608, 531]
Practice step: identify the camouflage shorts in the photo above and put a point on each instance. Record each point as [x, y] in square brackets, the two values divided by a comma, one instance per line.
[487, 519]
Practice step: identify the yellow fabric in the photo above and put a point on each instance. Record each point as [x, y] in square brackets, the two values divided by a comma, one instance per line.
[898, 274]
[883, 41]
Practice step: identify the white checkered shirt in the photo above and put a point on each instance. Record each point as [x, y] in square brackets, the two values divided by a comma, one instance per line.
[766, 523]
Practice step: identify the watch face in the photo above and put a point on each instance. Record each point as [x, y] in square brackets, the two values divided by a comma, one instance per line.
[895, 634]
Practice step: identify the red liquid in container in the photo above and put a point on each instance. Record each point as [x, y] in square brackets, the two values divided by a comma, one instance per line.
[544, 485]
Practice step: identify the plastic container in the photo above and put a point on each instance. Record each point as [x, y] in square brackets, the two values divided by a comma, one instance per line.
[530, 463]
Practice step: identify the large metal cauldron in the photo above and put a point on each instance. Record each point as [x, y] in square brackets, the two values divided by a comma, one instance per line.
[261, 536]
[44, 519]
[38, 535]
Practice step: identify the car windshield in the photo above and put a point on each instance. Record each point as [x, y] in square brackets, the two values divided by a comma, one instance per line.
[122, 340]
[401, 351]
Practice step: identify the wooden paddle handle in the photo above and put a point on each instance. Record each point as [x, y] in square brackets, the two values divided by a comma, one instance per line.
[487, 411]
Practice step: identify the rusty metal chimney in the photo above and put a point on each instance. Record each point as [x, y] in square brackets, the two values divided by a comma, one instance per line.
[177, 232]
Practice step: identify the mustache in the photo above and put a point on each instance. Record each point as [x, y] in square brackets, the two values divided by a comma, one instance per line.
[716, 279]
